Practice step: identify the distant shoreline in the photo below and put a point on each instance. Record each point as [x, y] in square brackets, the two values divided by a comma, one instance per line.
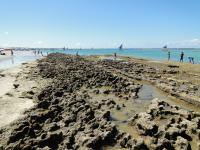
[150, 54]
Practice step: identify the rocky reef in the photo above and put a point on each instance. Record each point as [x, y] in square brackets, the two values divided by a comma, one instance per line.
[68, 115]
[168, 126]
[167, 79]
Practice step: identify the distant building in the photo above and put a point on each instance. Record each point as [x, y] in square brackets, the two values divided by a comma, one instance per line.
[6, 51]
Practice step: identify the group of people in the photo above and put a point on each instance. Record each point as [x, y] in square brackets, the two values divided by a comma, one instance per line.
[38, 52]
[191, 59]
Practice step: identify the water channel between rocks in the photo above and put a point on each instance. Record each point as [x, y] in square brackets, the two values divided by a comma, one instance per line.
[145, 95]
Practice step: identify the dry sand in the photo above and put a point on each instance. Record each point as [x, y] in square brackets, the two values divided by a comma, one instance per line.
[11, 105]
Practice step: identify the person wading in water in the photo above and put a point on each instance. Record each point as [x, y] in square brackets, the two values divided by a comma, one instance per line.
[115, 56]
[182, 55]
[168, 55]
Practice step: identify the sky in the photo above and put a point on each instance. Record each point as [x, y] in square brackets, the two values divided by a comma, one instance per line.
[99, 23]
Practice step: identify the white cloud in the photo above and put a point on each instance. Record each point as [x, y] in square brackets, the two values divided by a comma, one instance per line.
[6, 33]
[195, 41]
[185, 43]
[39, 42]
[77, 45]
[6, 44]
[36, 44]
[115, 44]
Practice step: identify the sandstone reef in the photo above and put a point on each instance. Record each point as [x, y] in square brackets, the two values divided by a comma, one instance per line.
[73, 110]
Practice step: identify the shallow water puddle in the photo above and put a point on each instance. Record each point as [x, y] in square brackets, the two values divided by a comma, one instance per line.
[148, 92]
[120, 117]
[157, 93]
[128, 108]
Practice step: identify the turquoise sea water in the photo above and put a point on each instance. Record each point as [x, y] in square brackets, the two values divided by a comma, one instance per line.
[153, 54]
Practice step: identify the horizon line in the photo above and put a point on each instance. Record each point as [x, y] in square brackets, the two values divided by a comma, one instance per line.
[97, 48]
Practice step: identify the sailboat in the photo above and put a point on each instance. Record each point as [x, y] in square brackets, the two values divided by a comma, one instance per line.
[165, 48]
[121, 47]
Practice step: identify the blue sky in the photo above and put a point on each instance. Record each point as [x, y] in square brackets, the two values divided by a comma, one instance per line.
[99, 23]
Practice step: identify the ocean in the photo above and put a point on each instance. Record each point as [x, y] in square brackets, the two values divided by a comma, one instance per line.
[152, 54]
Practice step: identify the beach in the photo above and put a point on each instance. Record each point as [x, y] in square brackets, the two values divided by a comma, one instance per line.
[100, 75]
[96, 102]
[12, 102]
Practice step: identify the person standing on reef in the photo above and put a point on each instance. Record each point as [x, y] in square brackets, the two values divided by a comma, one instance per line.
[182, 55]
[77, 54]
[115, 56]
[168, 55]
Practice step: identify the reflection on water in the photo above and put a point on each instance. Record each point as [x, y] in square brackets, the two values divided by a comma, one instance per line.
[16, 60]
[174, 101]
[132, 107]
[12, 60]
[146, 94]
